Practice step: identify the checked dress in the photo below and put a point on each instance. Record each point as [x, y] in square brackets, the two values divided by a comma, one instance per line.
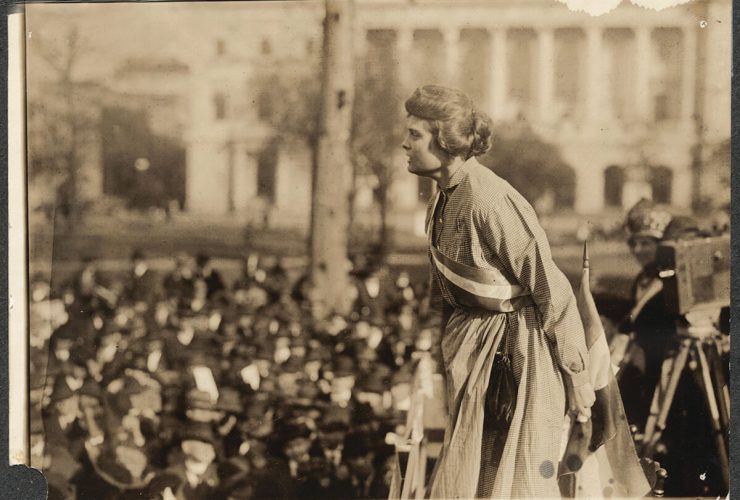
[492, 267]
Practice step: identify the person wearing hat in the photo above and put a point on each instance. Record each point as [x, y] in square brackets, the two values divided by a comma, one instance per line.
[296, 439]
[258, 419]
[163, 485]
[359, 455]
[374, 293]
[62, 426]
[74, 337]
[648, 323]
[142, 285]
[112, 355]
[652, 328]
[332, 428]
[269, 476]
[197, 471]
[230, 404]
[210, 276]
[180, 283]
[91, 401]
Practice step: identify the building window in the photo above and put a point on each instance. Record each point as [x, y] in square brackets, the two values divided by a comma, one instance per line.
[620, 52]
[220, 47]
[267, 98]
[668, 46]
[474, 47]
[266, 47]
[309, 46]
[267, 173]
[569, 72]
[522, 70]
[219, 106]
[613, 184]
[661, 182]
[428, 65]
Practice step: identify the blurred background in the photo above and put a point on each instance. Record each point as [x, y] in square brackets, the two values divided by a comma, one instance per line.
[191, 129]
[199, 120]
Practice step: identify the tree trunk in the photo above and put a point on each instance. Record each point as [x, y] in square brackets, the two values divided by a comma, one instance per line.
[73, 193]
[329, 263]
[385, 233]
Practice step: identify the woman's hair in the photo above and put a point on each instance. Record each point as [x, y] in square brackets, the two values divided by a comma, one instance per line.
[458, 128]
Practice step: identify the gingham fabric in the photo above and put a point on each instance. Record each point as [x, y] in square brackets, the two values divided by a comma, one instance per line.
[482, 222]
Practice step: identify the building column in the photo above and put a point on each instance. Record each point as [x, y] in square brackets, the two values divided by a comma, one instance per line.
[404, 59]
[451, 38]
[499, 91]
[644, 64]
[595, 74]
[546, 74]
[688, 83]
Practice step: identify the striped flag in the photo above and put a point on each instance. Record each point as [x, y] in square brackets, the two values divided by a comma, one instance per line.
[599, 458]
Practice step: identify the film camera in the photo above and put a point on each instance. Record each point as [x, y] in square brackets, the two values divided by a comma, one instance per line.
[695, 273]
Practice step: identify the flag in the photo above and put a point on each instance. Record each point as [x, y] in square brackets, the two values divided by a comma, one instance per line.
[599, 459]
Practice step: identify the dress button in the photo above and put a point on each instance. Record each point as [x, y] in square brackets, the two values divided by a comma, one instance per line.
[575, 367]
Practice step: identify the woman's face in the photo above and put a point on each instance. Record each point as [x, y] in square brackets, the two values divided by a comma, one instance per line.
[424, 154]
[644, 248]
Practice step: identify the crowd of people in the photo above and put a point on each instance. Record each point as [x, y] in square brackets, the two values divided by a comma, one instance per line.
[181, 385]
[184, 385]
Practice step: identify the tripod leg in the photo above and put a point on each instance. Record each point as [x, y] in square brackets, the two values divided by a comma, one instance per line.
[720, 380]
[663, 398]
[705, 382]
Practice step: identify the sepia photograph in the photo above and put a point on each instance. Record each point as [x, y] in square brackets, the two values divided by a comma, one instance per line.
[387, 249]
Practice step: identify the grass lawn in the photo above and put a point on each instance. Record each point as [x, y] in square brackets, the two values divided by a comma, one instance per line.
[112, 242]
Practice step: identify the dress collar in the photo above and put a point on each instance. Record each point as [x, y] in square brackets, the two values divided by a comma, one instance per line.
[459, 174]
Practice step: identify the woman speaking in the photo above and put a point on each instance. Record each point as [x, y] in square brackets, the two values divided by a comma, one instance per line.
[513, 344]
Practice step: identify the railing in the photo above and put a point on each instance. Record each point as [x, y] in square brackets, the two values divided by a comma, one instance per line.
[411, 448]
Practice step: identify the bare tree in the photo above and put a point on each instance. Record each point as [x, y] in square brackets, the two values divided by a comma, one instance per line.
[330, 200]
[377, 133]
[59, 115]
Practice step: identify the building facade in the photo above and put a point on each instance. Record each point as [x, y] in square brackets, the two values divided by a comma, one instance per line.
[628, 96]
[636, 100]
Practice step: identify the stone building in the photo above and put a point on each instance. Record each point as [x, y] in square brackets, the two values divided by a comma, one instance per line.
[637, 100]
[628, 96]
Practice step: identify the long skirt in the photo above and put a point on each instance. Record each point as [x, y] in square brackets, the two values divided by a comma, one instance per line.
[527, 464]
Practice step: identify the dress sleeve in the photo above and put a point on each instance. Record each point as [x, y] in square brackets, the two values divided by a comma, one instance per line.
[439, 310]
[511, 231]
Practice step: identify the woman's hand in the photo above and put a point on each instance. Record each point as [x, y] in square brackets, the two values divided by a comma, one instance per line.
[580, 401]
